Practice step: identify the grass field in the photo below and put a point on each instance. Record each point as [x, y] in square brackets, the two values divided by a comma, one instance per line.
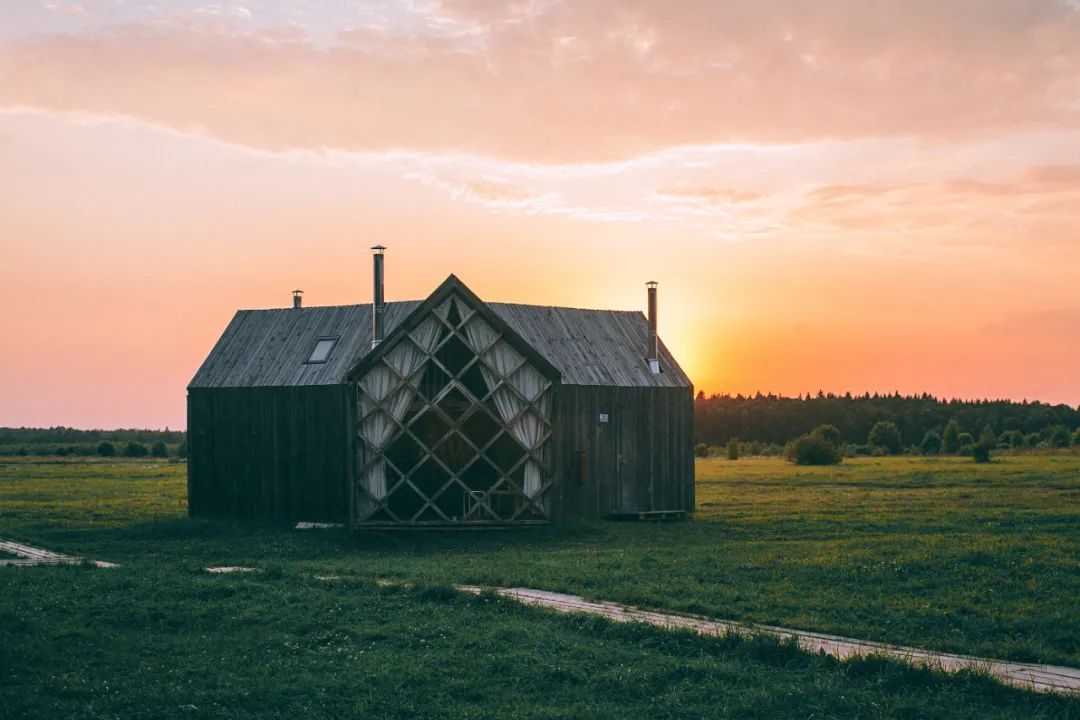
[935, 552]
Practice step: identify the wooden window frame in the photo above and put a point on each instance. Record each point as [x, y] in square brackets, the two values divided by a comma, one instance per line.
[333, 339]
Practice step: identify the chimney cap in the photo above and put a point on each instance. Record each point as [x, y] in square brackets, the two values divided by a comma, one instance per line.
[297, 292]
[651, 283]
[378, 249]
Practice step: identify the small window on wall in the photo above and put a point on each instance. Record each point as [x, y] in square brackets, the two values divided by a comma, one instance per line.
[322, 350]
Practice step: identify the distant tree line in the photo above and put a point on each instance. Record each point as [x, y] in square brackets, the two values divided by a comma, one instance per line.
[921, 422]
[64, 441]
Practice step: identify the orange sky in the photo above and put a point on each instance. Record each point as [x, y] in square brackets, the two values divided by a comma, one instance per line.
[837, 195]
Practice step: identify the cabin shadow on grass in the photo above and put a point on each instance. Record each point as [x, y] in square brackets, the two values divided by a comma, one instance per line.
[175, 539]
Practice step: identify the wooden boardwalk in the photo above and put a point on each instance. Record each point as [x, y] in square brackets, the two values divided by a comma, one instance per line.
[26, 556]
[1039, 678]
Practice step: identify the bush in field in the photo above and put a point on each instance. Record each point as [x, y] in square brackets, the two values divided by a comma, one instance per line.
[181, 450]
[981, 449]
[931, 443]
[885, 435]
[950, 439]
[812, 450]
[1058, 437]
[1012, 438]
[701, 450]
[829, 434]
[135, 449]
[1032, 440]
[733, 449]
[106, 449]
[1076, 437]
[160, 449]
[966, 439]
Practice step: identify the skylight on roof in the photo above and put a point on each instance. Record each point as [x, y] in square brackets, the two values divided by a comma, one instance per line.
[322, 350]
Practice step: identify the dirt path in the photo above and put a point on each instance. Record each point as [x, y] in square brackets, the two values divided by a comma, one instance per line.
[26, 555]
[1040, 678]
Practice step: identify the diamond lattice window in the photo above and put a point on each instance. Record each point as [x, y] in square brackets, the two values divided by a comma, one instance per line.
[455, 427]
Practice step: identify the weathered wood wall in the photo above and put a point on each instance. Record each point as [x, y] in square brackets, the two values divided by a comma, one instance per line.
[641, 459]
[262, 452]
[289, 453]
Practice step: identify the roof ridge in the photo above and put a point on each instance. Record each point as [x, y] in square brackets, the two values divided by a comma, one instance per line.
[326, 307]
[417, 302]
[561, 307]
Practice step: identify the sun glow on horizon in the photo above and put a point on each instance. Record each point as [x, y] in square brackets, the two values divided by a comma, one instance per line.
[902, 214]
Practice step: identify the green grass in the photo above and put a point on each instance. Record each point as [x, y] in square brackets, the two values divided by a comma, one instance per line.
[939, 553]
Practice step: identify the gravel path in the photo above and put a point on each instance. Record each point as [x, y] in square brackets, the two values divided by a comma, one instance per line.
[26, 555]
[1040, 678]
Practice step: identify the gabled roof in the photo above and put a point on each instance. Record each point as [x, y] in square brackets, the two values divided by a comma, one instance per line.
[269, 348]
[449, 287]
[593, 347]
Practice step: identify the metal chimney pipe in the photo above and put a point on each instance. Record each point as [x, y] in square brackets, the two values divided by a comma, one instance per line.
[653, 354]
[297, 299]
[378, 307]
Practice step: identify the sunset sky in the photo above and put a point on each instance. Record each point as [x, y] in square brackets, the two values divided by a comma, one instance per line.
[848, 196]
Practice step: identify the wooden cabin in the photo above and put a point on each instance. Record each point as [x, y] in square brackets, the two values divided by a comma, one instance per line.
[446, 411]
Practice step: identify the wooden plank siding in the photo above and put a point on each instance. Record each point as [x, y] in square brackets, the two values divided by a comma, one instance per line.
[282, 453]
[640, 460]
[288, 453]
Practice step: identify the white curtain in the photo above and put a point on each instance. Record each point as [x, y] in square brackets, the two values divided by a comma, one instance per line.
[503, 361]
[378, 425]
[480, 335]
[463, 308]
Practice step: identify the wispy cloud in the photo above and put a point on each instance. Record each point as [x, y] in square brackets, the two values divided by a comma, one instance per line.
[557, 81]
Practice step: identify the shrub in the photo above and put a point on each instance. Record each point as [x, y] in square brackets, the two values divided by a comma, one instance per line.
[829, 434]
[966, 440]
[1031, 440]
[931, 443]
[950, 439]
[885, 435]
[812, 450]
[981, 450]
[732, 449]
[107, 449]
[1076, 437]
[701, 450]
[181, 449]
[1058, 437]
[135, 449]
[160, 449]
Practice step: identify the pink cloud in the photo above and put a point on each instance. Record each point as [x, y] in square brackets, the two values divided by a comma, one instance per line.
[1039, 203]
[501, 79]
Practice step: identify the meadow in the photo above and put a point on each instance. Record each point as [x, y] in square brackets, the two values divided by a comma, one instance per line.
[934, 552]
